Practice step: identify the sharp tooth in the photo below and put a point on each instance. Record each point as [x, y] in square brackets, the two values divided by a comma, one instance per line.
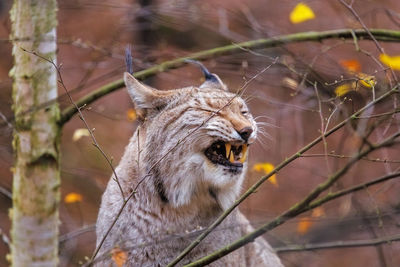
[227, 150]
[244, 154]
[231, 157]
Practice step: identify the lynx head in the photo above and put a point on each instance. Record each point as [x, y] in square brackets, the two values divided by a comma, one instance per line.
[194, 141]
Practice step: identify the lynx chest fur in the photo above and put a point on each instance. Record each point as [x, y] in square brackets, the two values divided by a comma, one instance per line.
[187, 162]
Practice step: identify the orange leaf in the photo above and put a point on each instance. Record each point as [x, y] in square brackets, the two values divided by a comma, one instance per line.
[352, 65]
[266, 168]
[131, 114]
[119, 256]
[72, 198]
[304, 225]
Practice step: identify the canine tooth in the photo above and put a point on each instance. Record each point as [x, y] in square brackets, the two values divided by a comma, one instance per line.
[227, 150]
[244, 154]
[231, 157]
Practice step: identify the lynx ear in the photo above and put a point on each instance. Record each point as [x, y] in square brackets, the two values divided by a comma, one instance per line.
[145, 97]
[214, 82]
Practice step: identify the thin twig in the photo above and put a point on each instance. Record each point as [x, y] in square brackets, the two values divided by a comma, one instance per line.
[380, 114]
[323, 128]
[347, 157]
[73, 234]
[338, 244]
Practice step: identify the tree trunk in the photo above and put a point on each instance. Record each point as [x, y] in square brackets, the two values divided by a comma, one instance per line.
[37, 135]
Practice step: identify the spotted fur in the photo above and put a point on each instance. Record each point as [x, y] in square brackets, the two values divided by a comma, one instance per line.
[181, 191]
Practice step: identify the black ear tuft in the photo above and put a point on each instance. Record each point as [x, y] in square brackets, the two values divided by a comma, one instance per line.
[210, 77]
[128, 59]
[212, 80]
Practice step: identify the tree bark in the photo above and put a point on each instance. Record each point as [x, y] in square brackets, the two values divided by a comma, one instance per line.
[36, 141]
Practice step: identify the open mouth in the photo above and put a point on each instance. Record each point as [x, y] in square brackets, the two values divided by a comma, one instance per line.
[227, 154]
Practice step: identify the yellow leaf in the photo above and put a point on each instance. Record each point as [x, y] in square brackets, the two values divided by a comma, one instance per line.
[119, 256]
[266, 168]
[301, 13]
[352, 65]
[366, 80]
[304, 225]
[131, 114]
[79, 133]
[273, 180]
[72, 198]
[392, 62]
[343, 89]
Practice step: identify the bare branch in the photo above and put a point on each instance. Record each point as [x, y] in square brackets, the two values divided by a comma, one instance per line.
[378, 34]
[347, 157]
[73, 234]
[339, 244]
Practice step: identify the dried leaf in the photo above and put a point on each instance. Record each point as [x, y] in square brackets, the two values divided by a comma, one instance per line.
[72, 198]
[352, 65]
[390, 61]
[79, 133]
[131, 114]
[302, 12]
[266, 168]
[119, 256]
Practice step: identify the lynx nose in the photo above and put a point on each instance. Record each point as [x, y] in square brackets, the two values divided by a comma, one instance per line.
[245, 133]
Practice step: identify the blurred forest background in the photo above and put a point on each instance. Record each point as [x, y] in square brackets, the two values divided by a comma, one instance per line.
[310, 87]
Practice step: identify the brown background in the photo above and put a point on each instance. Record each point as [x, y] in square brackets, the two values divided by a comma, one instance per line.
[92, 38]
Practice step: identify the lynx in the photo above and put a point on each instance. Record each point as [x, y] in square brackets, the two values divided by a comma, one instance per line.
[189, 155]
